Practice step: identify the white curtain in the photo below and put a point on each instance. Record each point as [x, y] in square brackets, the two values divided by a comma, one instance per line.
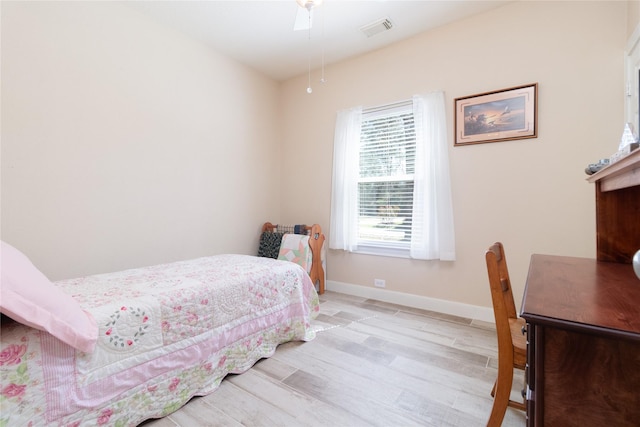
[432, 234]
[344, 193]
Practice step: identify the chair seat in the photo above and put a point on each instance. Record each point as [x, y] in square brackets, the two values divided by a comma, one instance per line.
[519, 342]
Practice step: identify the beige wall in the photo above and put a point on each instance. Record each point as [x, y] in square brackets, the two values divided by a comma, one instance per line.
[633, 16]
[127, 144]
[529, 194]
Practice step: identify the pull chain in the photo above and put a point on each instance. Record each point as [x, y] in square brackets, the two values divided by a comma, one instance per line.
[309, 90]
[322, 79]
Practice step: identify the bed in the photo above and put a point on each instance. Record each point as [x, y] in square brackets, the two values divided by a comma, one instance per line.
[120, 348]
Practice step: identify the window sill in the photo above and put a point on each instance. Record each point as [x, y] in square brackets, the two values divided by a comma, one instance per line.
[382, 251]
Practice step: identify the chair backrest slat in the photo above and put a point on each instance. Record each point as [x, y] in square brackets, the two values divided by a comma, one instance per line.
[501, 295]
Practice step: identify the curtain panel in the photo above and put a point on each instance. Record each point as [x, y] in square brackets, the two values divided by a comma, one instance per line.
[432, 230]
[344, 192]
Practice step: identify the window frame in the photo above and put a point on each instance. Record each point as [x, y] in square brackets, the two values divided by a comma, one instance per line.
[379, 247]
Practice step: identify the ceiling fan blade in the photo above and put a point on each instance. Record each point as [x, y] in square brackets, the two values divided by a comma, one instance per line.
[302, 21]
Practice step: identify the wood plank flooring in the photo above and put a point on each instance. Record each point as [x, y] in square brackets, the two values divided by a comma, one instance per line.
[371, 364]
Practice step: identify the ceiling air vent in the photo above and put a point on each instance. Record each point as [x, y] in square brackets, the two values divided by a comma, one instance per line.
[376, 27]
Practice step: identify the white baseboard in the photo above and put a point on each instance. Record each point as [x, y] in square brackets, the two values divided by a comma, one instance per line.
[433, 304]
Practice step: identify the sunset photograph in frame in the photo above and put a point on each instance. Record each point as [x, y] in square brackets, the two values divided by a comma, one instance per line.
[501, 115]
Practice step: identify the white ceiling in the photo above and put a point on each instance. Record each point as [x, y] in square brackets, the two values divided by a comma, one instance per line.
[260, 33]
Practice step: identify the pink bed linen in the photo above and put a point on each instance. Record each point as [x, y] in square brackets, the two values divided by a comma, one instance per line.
[167, 333]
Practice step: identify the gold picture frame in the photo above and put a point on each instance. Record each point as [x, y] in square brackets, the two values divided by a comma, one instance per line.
[501, 115]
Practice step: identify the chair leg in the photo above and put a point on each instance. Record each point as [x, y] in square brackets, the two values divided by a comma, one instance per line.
[522, 405]
[502, 392]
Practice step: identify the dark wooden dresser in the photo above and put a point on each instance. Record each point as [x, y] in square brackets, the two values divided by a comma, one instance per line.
[583, 317]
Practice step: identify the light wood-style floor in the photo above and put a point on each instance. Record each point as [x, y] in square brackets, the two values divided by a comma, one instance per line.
[371, 364]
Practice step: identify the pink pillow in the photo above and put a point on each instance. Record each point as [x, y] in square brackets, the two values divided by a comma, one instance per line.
[27, 296]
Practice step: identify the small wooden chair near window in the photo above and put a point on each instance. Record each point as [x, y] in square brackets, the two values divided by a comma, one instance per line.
[512, 346]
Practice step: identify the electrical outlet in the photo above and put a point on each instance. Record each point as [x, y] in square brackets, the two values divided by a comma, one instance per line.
[379, 283]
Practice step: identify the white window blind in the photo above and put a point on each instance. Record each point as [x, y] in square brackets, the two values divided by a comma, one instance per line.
[386, 176]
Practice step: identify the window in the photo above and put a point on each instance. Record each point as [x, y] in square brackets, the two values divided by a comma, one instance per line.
[391, 190]
[386, 172]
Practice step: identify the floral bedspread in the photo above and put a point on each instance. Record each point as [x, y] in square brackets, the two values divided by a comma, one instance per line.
[167, 333]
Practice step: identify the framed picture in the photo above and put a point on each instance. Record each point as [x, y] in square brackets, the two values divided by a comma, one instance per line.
[501, 115]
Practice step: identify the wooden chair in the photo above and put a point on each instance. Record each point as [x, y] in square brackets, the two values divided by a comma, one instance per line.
[512, 346]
